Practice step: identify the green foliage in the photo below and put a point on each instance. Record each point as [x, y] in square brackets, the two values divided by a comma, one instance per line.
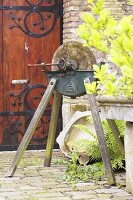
[97, 27]
[92, 146]
[75, 171]
[101, 31]
[130, 2]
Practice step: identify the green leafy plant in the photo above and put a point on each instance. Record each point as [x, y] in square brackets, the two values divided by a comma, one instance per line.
[130, 2]
[75, 172]
[95, 168]
[92, 147]
[115, 38]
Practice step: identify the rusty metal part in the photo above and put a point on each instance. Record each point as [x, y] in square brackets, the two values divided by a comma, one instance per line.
[62, 65]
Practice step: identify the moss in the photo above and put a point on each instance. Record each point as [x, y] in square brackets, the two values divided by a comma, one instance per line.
[79, 107]
[76, 52]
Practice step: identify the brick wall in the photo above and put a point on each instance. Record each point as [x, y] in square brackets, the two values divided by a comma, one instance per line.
[71, 19]
[73, 9]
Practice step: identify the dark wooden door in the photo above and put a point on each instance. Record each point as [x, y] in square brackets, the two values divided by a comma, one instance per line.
[30, 32]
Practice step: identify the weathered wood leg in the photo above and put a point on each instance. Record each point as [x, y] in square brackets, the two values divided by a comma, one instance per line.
[116, 134]
[52, 129]
[101, 138]
[129, 156]
[31, 128]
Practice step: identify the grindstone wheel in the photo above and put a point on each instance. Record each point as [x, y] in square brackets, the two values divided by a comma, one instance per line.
[78, 65]
[77, 53]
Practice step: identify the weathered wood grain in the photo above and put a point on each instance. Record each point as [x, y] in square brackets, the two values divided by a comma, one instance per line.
[52, 129]
[101, 138]
[17, 50]
[122, 110]
[31, 128]
[1, 74]
[116, 134]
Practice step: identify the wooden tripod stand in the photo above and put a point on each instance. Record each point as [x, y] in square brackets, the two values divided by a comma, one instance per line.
[52, 129]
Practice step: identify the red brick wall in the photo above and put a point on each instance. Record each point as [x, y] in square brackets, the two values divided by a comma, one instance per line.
[73, 9]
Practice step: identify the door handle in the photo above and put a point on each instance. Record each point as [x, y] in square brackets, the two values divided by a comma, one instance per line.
[20, 82]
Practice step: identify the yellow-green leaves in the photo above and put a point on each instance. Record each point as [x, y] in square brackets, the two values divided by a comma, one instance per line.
[125, 26]
[122, 47]
[97, 26]
[130, 2]
[91, 87]
[97, 7]
[84, 32]
[101, 31]
[88, 18]
[100, 73]
[90, 1]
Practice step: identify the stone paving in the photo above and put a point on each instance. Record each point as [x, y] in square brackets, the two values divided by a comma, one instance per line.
[34, 182]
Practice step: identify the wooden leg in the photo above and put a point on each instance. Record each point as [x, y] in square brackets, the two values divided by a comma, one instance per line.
[116, 134]
[32, 127]
[52, 129]
[129, 156]
[101, 138]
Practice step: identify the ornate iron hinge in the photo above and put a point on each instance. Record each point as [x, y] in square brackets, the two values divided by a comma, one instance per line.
[45, 13]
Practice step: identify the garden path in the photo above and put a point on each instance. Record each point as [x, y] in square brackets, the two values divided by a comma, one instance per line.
[34, 182]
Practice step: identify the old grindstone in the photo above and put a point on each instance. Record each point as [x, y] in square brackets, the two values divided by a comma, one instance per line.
[71, 66]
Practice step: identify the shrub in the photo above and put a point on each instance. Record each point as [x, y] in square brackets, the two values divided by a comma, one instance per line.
[101, 31]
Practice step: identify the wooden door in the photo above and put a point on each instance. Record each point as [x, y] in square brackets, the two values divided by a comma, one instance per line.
[30, 32]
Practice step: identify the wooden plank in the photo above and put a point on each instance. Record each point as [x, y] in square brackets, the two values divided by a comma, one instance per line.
[39, 50]
[116, 134]
[52, 129]
[129, 156]
[13, 68]
[31, 128]
[101, 138]
[1, 72]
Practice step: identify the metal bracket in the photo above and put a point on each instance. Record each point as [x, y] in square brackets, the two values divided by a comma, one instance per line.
[44, 13]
